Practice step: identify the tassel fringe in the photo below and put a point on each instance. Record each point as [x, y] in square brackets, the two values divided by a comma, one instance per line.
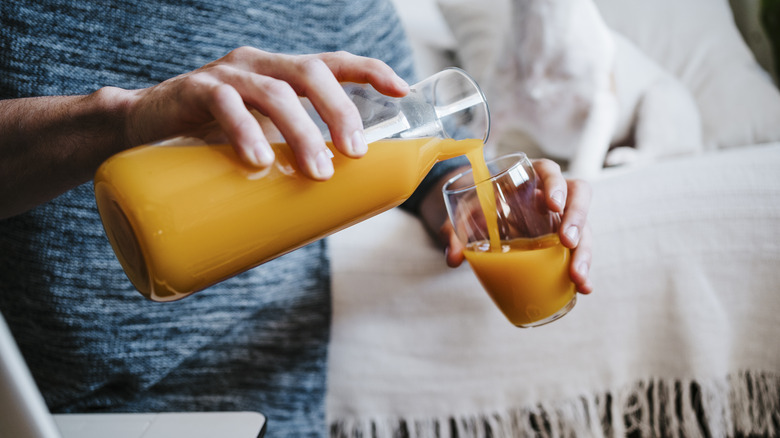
[743, 404]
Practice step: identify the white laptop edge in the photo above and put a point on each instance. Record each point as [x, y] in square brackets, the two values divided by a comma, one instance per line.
[24, 414]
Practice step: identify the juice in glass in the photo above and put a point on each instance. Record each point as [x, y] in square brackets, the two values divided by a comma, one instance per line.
[528, 279]
[511, 244]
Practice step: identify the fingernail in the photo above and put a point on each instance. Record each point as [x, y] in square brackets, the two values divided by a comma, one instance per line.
[400, 83]
[324, 164]
[359, 145]
[263, 156]
[572, 233]
[583, 268]
[557, 197]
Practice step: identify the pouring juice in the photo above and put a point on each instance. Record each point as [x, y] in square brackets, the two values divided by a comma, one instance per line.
[181, 218]
[513, 249]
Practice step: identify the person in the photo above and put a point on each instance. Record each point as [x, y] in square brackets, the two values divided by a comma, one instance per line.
[82, 80]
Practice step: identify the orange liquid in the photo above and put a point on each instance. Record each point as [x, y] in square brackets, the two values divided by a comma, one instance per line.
[528, 279]
[182, 218]
[486, 196]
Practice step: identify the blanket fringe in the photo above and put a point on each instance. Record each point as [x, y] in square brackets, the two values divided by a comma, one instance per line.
[742, 404]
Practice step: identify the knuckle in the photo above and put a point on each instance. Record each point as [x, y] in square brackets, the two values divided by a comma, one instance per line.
[577, 217]
[208, 76]
[552, 165]
[311, 70]
[581, 186]
[311, 65]
[580, 219]
[194, 80]
[337, 55]
[242, 124]
[345, 110]
[548, 164]
[585, 257]
[342, 53]
[218, 70]
[242, 52]
[219, 94]
[197, 84]
[338, 60]
[586, 231]
[277, 90]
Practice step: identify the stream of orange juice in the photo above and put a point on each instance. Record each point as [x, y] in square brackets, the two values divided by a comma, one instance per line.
[487, 199]
[181, 218]
[528, 279]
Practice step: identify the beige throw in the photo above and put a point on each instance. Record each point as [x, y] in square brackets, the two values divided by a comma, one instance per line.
[680, 338]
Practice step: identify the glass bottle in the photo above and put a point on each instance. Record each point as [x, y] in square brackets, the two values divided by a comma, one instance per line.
[186, 213]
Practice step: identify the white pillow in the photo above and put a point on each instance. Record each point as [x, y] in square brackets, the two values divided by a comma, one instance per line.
[695, 40]
[698, 41]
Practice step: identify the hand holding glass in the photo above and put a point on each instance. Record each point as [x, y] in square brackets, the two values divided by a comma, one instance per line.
[511, 240]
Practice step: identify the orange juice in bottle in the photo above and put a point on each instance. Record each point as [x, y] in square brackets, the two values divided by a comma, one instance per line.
[184, 216]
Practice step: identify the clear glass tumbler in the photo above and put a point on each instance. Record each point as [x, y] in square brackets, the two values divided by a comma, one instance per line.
[511, 240]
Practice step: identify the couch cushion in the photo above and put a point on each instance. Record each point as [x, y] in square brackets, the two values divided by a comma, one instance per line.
[696, 40]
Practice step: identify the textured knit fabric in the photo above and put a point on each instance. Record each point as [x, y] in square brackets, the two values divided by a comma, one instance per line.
[679, 339]
[255, 342]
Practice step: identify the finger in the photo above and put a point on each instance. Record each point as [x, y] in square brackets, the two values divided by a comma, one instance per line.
[278, 101]
[241, 128]
[576, 213]
[454, 248]
[282, 106]
[580, 263]
[316, 81]
[347, 67]
[318, 77]
[304, 74]
[553, 182]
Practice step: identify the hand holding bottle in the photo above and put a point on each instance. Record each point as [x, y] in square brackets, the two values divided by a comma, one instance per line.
[247, 78]
[188, 212]
[54, 143]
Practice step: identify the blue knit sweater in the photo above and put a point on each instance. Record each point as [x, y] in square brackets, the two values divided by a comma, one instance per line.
[255, 342]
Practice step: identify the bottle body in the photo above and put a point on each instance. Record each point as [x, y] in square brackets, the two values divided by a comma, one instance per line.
[184, 217]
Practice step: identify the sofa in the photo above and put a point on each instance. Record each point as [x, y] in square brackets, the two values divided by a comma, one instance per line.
[682, 334]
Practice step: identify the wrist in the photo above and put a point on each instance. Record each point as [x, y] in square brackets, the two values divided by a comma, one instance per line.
[112, 107]
[50, 144]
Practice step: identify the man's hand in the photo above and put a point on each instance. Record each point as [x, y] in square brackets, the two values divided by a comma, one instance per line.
[570, 198]
[225, 90]
[51, 144]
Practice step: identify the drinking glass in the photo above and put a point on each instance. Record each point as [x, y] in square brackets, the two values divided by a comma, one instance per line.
[511, 240]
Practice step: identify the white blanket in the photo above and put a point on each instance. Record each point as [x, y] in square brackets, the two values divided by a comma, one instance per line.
[680, 337]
